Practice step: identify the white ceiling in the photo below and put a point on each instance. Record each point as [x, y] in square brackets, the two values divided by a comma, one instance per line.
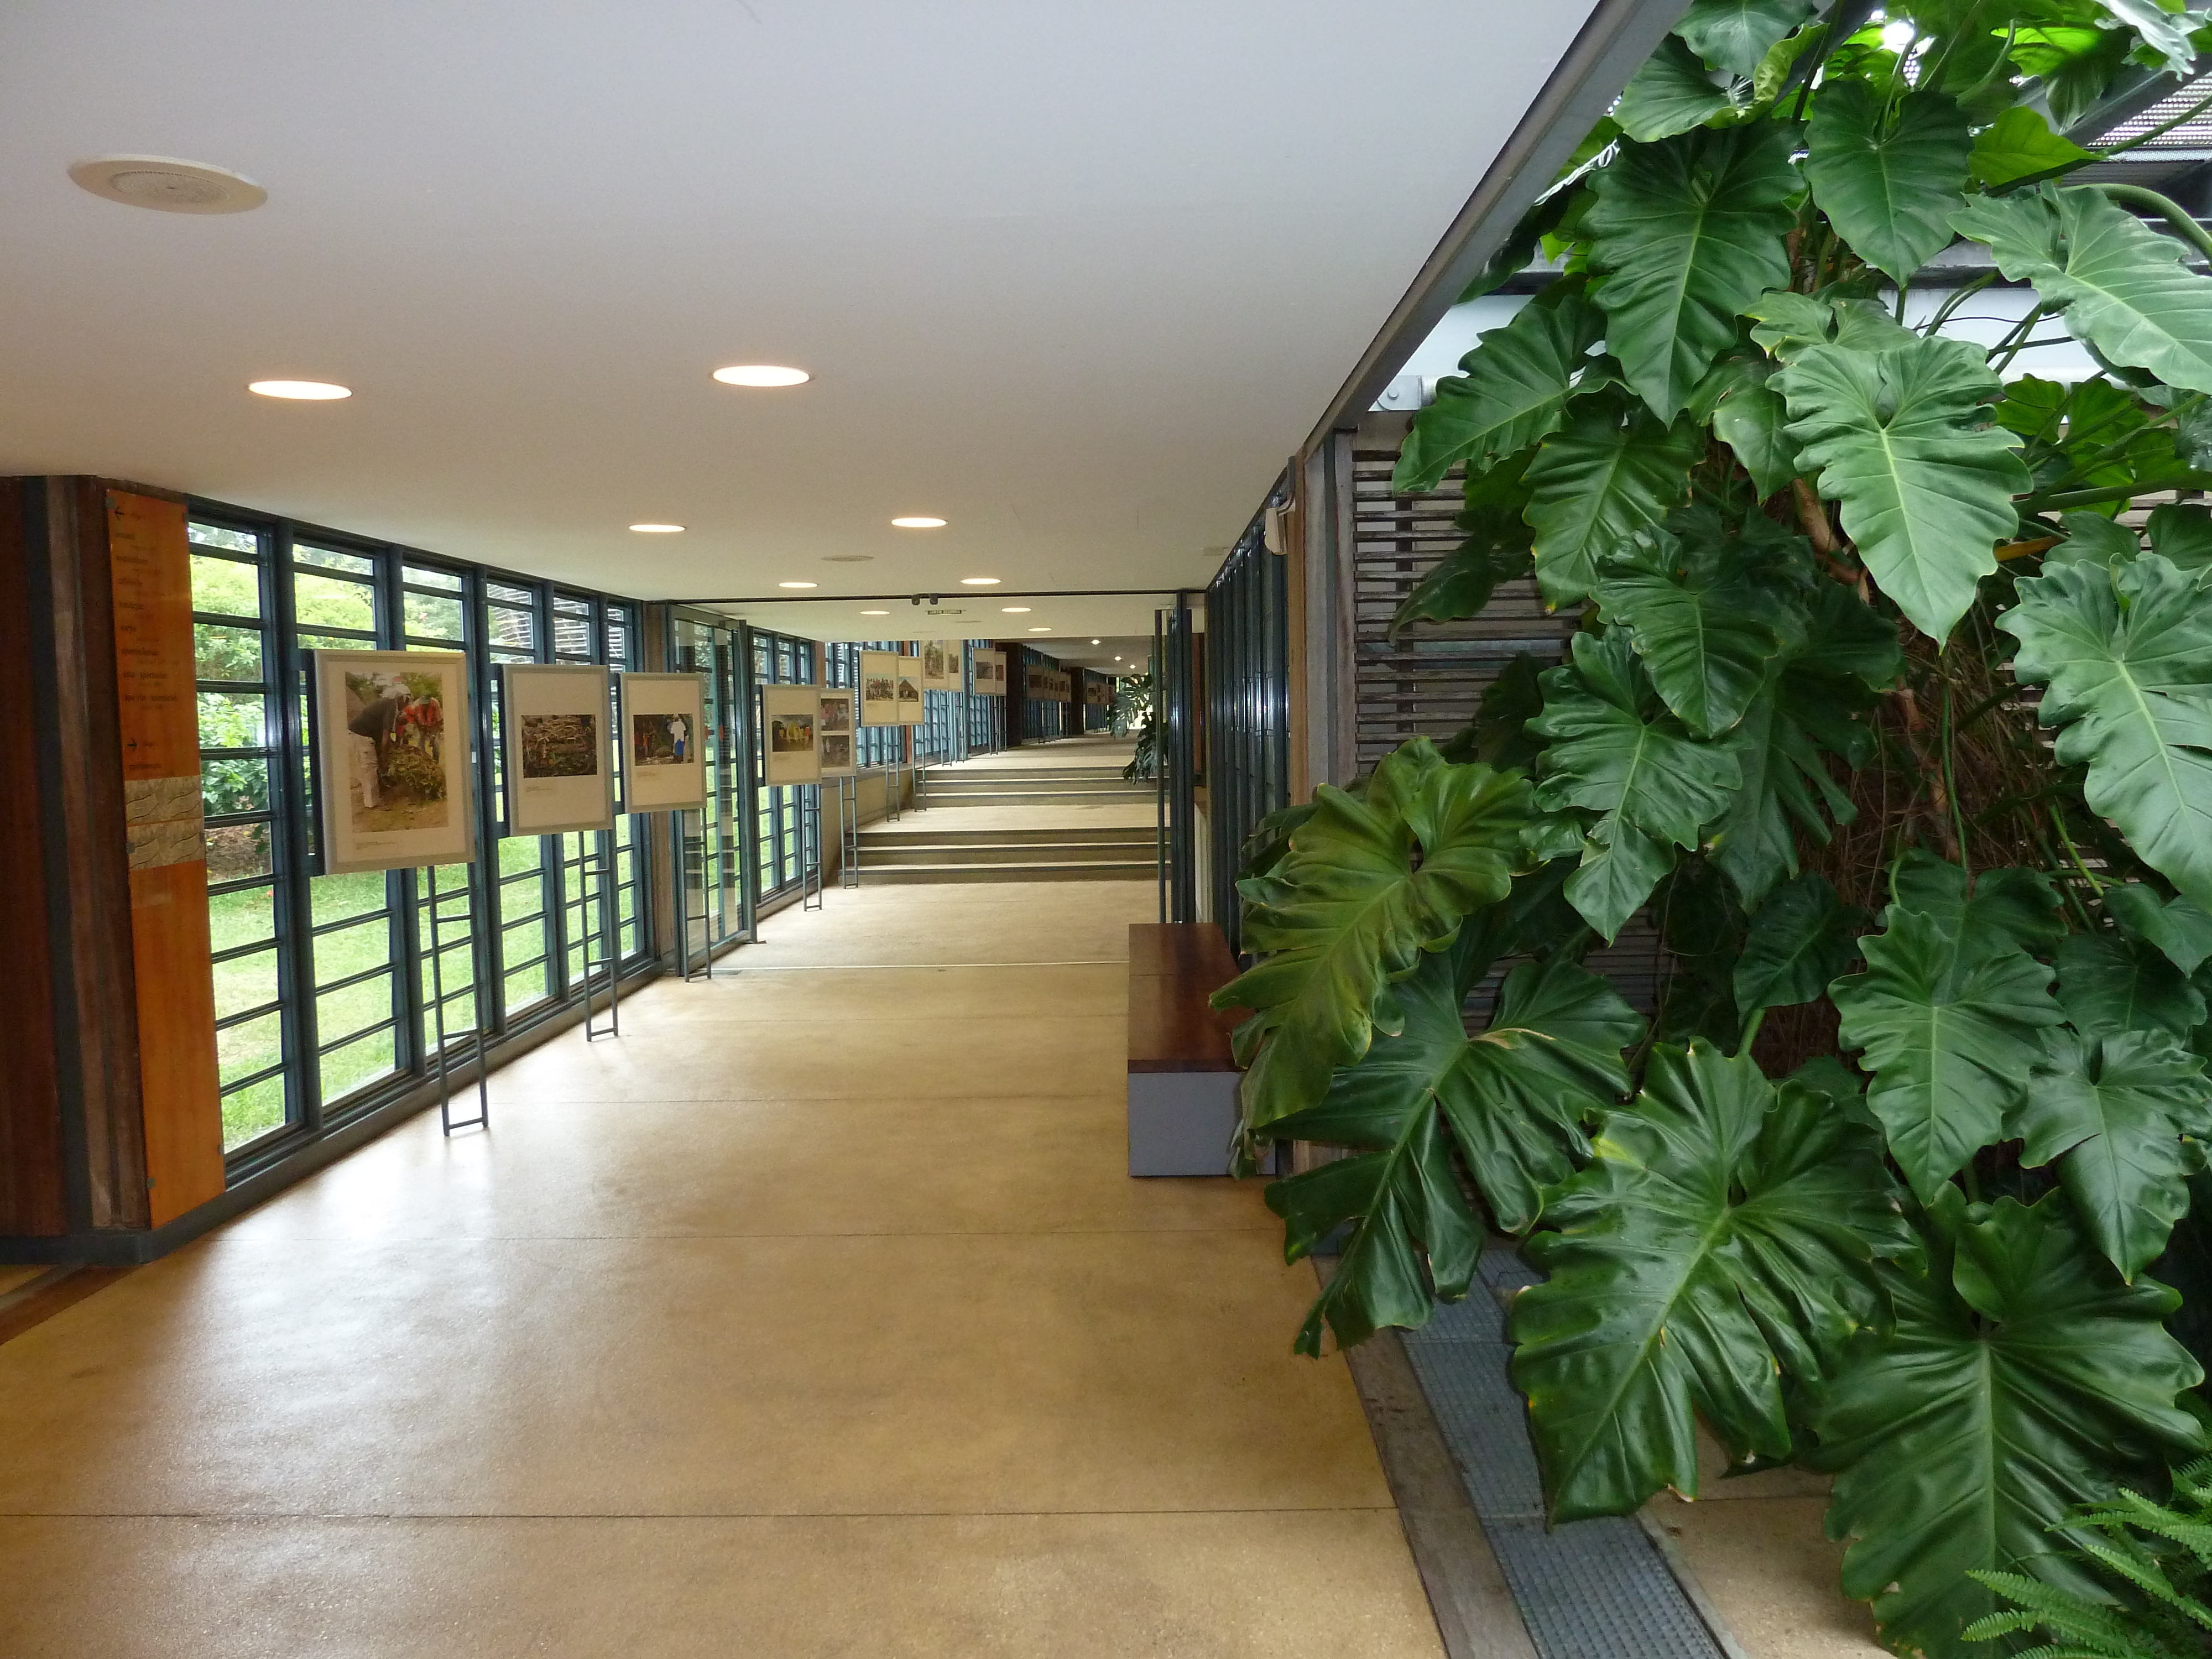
[1076, 277]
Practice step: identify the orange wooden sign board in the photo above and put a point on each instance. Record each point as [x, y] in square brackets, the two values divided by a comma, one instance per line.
[149, 561]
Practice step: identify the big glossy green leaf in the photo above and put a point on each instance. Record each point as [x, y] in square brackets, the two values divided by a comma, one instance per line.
[1800, 939]
[1671, 94]
[1724, 1236]
[1368, 886]
[1512, 1101]
[1511, 390]
[1687, 233]
[2113, 1110]
[1615, 754]
[2108, 985]
[1888, 183]
[2126, 657]
[2017, 145]
[1900, 438]
[1736, 35]
[2122, 286]
[2004, 906]
[1812, 707]
[2182, 534]
[1949, 1016]
[2164, 28]
[1751, 419]
[1705, 634]
[2176, 928]
[2016, 1370]
[1595, 486]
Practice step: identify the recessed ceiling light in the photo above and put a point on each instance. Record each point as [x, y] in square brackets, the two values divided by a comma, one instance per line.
[1015, 609]
[1101, 642]
[1040, 630]
[312, 391]
[919, 521]
[796, 584]
[875, 613]
[761, 375]
[979, 581]
[658, 529]
[164, 182]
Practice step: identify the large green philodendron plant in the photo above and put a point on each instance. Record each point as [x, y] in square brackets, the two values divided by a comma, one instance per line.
[1896, 733]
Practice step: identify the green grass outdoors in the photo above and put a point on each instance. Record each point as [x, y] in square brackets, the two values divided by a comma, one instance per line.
[250, 982]
[332, 596]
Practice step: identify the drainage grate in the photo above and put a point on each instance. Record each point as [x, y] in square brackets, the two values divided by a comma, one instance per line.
[1591, 1589]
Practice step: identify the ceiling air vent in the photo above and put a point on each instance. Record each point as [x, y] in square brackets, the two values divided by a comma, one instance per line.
[164, 182]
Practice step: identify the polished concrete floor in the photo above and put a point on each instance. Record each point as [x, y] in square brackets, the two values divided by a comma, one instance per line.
[814, 1315]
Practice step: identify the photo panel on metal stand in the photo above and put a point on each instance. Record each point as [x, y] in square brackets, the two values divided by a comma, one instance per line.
[791, 719]
[558, 766]
[834, 732]
[879, 672]
[665, 770]
[390, 732]
[558, 757]
[941, 665]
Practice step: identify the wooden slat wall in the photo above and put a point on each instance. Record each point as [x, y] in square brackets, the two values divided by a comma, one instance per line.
[1431, 680]
[149, 566]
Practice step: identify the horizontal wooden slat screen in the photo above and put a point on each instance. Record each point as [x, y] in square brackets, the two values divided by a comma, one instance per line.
[1428, 682]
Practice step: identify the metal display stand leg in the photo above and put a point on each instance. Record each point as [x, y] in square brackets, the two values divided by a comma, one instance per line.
[848, 826]
[447, 1122]
[706, 969]
[609, 933]
[809, 897]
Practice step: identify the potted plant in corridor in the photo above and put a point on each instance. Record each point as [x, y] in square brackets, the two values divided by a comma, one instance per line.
[1900, 737]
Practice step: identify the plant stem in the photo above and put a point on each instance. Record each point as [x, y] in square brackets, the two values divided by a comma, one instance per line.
[1966, 291]
[2182, 221]
[1750, 1029]
[1944, 832]
[2074, 852]
[1951, 780]
[2102, 494]
[2012, 343]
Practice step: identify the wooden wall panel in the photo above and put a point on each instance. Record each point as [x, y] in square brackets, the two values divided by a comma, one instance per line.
[32, 1194]
[96, 1003]
[149, 564]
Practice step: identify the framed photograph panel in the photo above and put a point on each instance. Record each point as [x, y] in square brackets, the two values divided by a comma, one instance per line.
[832, 731]
[991, 672]
[392, 731]
[942, 669]
[912, 706]
[791, 723]
[557, 757]
[879, 671]
[663, 764]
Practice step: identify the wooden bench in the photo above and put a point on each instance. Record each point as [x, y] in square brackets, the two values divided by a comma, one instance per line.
[1182, 1079]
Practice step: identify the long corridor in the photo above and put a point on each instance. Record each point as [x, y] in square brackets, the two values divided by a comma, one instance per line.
[815, 1315]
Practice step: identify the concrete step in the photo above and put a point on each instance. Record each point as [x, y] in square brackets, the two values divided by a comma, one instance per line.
[935, 797]
[909, 833]
[874, 856]
[1030, 772]
[1023, 782]
[1131, 869]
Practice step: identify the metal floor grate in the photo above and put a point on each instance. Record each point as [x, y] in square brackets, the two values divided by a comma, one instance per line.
[1591, 1589]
